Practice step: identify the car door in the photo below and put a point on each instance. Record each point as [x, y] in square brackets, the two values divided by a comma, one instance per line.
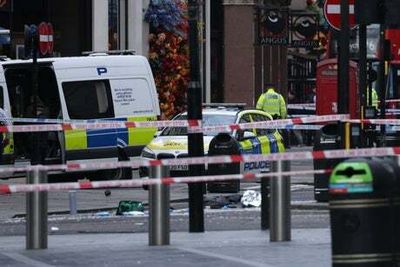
[270, 140]
[245, 137]
[89, 100]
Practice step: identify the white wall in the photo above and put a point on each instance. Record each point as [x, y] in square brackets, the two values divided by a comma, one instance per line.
[138, 30]
[100, 25]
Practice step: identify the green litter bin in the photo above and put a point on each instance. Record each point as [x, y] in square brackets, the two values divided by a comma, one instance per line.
[362, 195]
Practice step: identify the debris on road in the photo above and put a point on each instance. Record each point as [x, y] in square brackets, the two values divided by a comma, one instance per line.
[133, 213]
[102, 214]
[129, 206]
[251, 198]
[225, 202]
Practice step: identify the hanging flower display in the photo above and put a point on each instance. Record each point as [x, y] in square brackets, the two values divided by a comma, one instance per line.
[169, 53]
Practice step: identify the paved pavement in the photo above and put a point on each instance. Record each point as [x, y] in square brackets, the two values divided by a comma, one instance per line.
[308, 247]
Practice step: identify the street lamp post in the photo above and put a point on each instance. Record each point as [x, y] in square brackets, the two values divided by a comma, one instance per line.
[195, 140]
[343, 72]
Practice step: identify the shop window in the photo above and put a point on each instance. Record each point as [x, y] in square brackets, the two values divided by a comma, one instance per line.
[88, 99]
[113, 24]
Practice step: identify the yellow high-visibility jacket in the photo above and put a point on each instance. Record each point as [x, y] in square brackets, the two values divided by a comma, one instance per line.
[374, 97]
[273, 103]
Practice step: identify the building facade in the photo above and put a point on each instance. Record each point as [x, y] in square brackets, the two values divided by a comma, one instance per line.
[79, 25]
[238, 68]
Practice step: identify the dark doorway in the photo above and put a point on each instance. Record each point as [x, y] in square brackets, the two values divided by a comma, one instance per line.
[217, 51]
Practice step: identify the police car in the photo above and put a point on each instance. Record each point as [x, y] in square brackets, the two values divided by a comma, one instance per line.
[172, 142]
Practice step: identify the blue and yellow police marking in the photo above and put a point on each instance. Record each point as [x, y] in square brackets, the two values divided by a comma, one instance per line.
[82, 139]
[246, 147]
[265, 144]
[9, 148]
[141, 136]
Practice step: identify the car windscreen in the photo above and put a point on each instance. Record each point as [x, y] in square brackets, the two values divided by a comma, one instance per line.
[208, 120]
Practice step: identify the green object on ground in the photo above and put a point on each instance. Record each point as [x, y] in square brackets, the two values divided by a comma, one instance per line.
[129, 205]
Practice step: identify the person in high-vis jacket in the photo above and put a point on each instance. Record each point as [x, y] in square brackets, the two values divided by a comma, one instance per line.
[273, 103]
[4, 137]
[374, 98]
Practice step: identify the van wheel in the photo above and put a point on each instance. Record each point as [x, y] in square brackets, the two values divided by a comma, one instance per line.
[104, 175]
[65, 177]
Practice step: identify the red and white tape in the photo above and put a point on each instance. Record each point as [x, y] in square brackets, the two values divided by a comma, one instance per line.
[376, 121]
[392, 100]
[303, 106]
[272, 124]
[193, 125]
[99, 125]
[303, 155]
[85, 185]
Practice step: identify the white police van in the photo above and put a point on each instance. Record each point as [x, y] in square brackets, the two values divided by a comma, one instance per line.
[98, 86]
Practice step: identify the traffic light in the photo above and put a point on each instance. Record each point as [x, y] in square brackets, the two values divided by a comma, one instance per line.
[392, 11]
[369, 11]
[31, 40]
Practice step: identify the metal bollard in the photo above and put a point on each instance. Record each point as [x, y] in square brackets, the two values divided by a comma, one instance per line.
[265, 215]
[36, 212]
[72, 202]
[280, 221]
[159, 200]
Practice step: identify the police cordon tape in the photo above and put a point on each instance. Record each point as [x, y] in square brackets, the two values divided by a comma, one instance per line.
[376, 121]
[304, 106]
[392, 101]
[301, 155]
[193, 125]
[85, 185]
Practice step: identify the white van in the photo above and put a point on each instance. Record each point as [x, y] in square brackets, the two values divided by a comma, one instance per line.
[98, 86]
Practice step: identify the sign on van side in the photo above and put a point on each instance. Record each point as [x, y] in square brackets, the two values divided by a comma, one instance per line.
[131, 96]
[123, 96]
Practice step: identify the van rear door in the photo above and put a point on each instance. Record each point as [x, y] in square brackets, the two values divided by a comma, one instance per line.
[89, 100]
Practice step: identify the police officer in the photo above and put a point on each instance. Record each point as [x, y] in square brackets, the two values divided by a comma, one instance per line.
[4, 137]
[374, 98]
[273, 103]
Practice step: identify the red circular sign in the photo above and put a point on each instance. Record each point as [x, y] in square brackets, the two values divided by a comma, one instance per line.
[332, 13]
[50, 43]
[43, 38]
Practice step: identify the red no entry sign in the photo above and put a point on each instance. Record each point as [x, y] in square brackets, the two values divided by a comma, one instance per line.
[332, 13]
[46, 42]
